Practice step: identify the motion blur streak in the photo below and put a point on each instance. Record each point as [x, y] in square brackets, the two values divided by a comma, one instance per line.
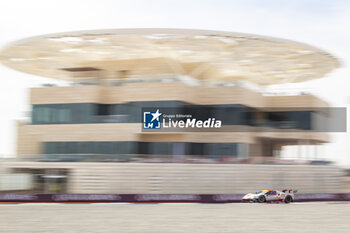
[240, 218]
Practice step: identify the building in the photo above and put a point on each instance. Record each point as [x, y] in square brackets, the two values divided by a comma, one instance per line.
[109, 76]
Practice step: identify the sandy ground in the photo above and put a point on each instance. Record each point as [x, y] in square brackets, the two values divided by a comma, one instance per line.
[213, 218]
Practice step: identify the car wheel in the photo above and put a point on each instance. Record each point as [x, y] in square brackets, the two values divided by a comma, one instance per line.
[261, 199]
[288, 199]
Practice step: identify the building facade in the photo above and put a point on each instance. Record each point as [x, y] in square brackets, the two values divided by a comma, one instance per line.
[110, 76]
[97, 123]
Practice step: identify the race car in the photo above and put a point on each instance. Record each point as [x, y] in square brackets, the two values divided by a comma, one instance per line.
[268, 195]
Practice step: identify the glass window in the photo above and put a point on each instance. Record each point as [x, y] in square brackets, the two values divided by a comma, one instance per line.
[160, 148]
[104, 109]
[71, 147]
[64, 115]
[155, 148]
[54, 114]
[49, 148]
[35, 114]
[271, 193]
[85, 147]
[197, 148]
[230, 114]
[143, 148]
[44, 114]
[123, 148]
[224, 149]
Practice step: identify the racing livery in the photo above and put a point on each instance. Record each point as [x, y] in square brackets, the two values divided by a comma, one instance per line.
[269, 195]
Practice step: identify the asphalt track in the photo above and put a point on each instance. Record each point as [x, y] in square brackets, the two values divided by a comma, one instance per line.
[163, 218]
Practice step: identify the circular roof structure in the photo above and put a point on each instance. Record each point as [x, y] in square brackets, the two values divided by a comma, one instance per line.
[202, 54]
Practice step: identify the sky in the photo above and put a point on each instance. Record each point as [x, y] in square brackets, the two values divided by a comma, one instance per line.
[323, 23]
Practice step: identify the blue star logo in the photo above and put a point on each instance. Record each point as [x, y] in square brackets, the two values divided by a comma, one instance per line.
[152, 120]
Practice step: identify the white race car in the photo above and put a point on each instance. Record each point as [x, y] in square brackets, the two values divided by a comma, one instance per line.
[269, 195]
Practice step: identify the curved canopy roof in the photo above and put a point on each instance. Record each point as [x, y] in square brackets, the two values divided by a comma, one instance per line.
[205, 55]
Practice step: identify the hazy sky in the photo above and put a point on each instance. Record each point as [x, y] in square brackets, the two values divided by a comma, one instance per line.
[324, 24]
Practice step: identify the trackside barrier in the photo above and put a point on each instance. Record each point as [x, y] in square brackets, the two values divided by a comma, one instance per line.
[158, 198]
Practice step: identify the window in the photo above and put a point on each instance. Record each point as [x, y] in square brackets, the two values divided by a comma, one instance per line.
[160, 148]
[271, 193]
[85, 147]
[104, 109]
[65, 115]
[197, 149]
[229, 114]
